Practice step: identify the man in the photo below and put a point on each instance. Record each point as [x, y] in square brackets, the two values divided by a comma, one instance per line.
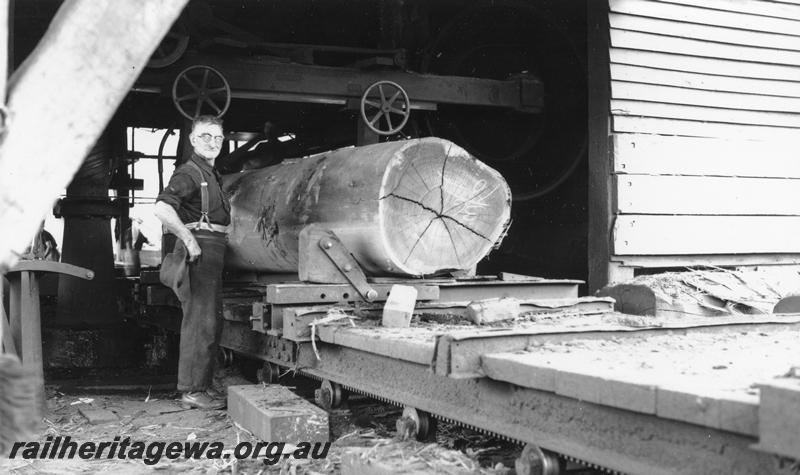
[43, 247]
[197, 226]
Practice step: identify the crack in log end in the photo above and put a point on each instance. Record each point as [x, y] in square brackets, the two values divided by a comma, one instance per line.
[444, 216]
[441, 185]
[452, 242]
[438, 215]
[418, 240]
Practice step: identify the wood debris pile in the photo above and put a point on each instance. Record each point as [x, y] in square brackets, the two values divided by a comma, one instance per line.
[702, 292]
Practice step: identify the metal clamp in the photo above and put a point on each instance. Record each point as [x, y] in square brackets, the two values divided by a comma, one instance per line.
[347, 265]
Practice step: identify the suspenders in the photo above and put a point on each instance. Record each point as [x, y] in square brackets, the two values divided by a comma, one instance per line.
[203, 198]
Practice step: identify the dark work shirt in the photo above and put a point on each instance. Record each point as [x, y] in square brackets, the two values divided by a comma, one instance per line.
[183, 193]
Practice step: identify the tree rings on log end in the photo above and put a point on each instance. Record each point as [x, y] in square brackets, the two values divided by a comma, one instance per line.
[441, 209]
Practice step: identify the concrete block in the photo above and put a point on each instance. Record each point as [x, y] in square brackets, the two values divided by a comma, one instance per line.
[399, 307]
[492, 310]
[97, 415]
[779, 417]
[276, 414]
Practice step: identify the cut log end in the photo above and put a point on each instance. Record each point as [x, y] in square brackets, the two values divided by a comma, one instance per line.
[442, 209]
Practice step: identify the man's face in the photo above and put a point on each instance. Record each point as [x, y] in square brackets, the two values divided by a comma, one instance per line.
[206, 139]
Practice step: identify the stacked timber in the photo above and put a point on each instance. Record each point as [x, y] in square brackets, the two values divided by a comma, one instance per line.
[416, 207]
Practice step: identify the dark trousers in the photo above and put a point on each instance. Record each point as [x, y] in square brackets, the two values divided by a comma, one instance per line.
[202, 313]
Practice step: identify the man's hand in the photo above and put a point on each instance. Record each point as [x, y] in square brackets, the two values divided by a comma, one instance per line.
[192, 247]
[172, 222]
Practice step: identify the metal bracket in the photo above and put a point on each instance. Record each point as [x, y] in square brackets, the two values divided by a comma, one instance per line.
[316, 242]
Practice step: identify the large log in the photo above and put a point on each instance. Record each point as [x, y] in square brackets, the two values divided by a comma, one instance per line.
[415, 207]
[61, 98]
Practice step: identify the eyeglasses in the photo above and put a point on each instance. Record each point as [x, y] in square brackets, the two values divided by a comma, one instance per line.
[207, 138]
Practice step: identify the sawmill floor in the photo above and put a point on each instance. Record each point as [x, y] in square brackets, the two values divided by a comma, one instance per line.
[158, 416]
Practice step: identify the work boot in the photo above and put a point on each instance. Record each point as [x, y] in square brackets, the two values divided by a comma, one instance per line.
[216, 394]
[201, 400]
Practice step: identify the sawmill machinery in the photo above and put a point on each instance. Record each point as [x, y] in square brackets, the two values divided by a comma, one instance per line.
[504, 80]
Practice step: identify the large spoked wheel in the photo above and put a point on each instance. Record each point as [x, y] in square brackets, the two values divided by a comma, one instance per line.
[385, 107]
[200, 90]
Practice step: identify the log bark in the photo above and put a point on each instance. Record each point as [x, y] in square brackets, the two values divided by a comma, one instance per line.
[61, 99]
[416, 207]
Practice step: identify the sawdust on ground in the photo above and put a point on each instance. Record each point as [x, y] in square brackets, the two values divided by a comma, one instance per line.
[364, 424]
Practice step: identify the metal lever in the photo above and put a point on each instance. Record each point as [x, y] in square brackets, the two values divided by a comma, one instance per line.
[347, 265]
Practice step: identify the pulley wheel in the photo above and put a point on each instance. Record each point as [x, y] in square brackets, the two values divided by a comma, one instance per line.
[171, 48]
[385, 107]
[200, 90]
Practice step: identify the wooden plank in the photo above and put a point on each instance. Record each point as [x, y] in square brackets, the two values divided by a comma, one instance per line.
[416, 345]
[692, 376]
[696, 64]
[739, 413]
[727, 410]
[694, 195]
[696, 31]
[689, 47]
[534, 370]
[519, 368]
[675, 235]
[459, 352]
[76, 77]
[725, 100]
[689, 128]
[689, 404]
[709, 260]
[662, 155]
[624, 107]
[600, 176]
[669, 11]
[755, 7]
[706, 82]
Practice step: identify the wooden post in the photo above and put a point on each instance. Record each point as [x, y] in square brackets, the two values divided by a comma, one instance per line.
[61, 99]
[600, 180]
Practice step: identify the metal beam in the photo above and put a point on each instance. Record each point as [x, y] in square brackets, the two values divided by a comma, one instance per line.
[275, 81]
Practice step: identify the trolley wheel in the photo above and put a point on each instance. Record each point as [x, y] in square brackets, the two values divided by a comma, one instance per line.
[535, 461]
[330, 395]
[417, 424]
[268, 373]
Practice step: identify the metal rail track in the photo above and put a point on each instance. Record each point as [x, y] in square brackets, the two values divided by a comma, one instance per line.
[459, 423]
